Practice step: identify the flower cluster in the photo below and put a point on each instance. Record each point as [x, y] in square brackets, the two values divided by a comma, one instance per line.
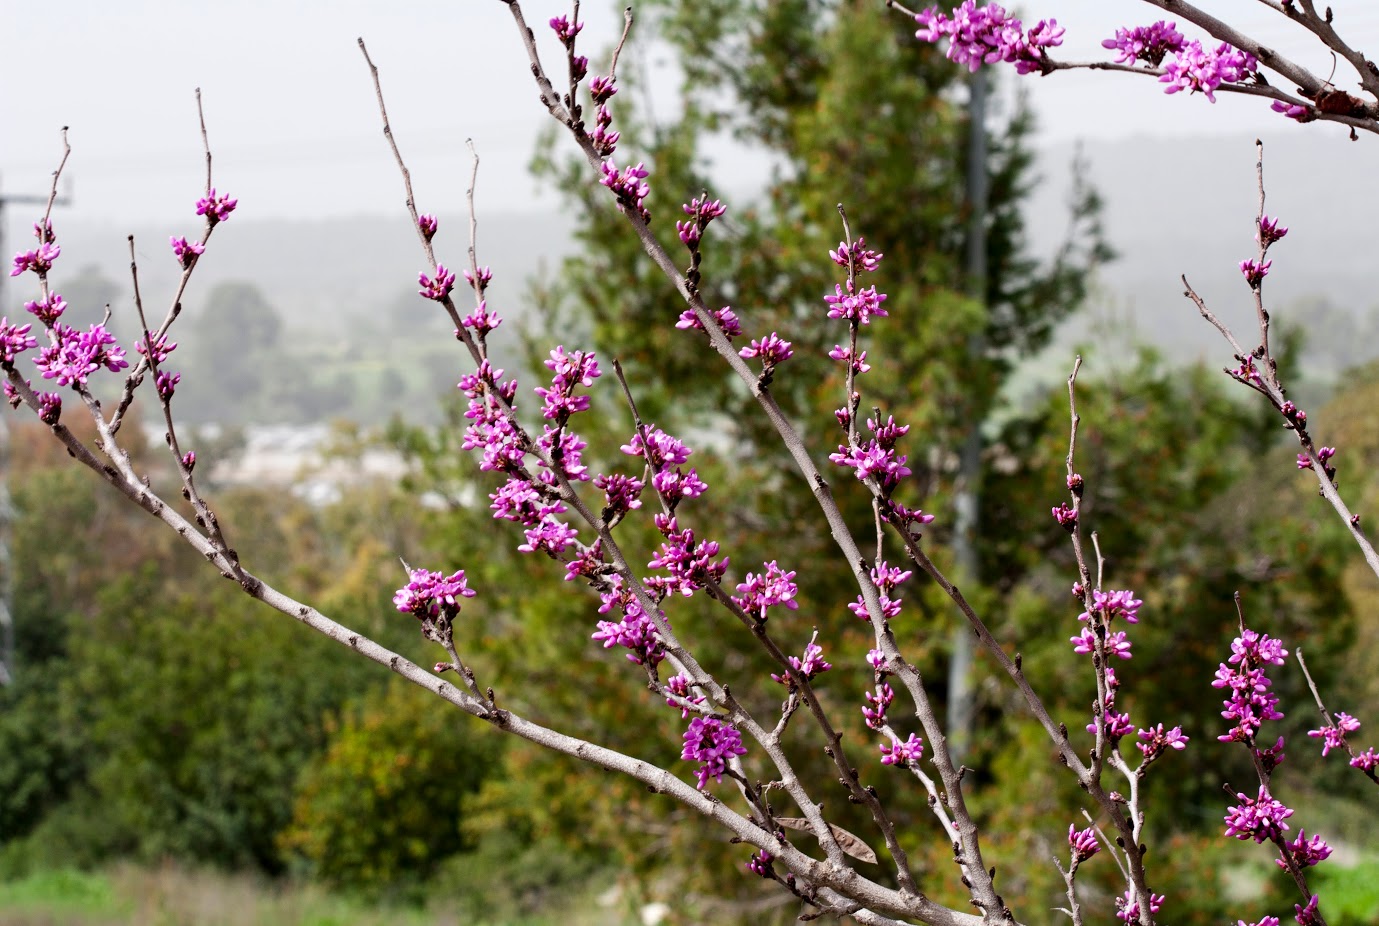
[1250, 702]
[1259, 818]
[665, 454]
[772, 349]
[877, 457]
[1110, 605]
[812, 664]
[14, 340]
[1254, 272]
[1146, 43]
[635, 632]
[887, 579]
[726, 318]
[48, 309]
[439, 287]
[1306, 852]
[431, 595]
[682, 687]
[1198, 70]
[759, 592]
[689, 562]
[1333, 735]
[712, 743]
[1083, 843]
[74, 355]
[987, 34]
[216, 208]
[572, 370]
[874, 711]
[39, 260]
[701, 212]
[902, 754]
[629, 184]
[760, 864]
[1129, 911]
[186, 251]
[427, 225]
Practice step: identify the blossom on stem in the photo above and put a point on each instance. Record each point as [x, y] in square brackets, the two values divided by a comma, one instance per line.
[874, 711]
[771, 587]
[1197, 70]
[1156, 740]
[726, 318]
[902, 754]
[1258, 818]
[1146, 43]
[1083, 842]
[682, 687]
[760, 864]
[808, 666]
[772, 350]
[189, 460]
[1295, 111]
[987, 34]
[427, 225]
[712, 743]
[1306, 852]
[1130, 912]
[48, 309]
[1113, 604]
[216, 208]
[635, 631]
[49, 407]
[39, 260]
[432, 594]
[186, 251]
[858, 306]
[564, 30]
[438, 288]
[629, 186]
[74, 355]
[1333, 736]
[1255, 272]
[166, 383]
[858, 258]
[1270, 231]
[1306, 915]
[14, 339]
[1065, 516]
[160, 349]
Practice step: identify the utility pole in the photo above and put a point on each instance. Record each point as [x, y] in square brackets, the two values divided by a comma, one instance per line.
[968, 499]
[7, 657]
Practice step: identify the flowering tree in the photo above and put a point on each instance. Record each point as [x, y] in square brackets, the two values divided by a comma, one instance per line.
[570, 510]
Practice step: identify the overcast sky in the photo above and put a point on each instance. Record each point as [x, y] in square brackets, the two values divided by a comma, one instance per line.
[294, 127]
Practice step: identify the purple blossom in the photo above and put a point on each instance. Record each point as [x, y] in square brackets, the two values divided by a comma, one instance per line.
[166, 384]
[14, 339]
[481, 320]
[674, 485]
[713, 744]
[665, 450]
[579, 368]
[39, 260]
[857, 306]
[481, 281]
[74, 355]
[629, 186]
[603, 138]
[621, 494]
[1195, 69]
[760, 864]
[1295, 111]
[186, 251]
[1270, 231]
[1156, 740]
[1146, 43]
[1115, 604]
[48, 309]
[427, 225]
[1306, 852]
[701, 213]
[811, 665]
[429, 595]
[875, 709]
[1255, 272]
[1259, 818]
[439, 288]
[189, 460]
[1333, 736]
[563, 30]
[690, 563]
[601, 89]
[216, 208]
[49, 407]
[771, 349]
[1117, 725]
[876, 659]
[518, 500]
[761, 591]
[1116, 643]
[683, 688]
[1083, 842]
[635, 631]
[1306, 915]
[1065, 516]
[843, 354]
[987, 35]
[1365, 761]
[1130, 912]
[550, 536]
[872, 459]
[726, 318]
[902, 754]
[858, 258]
[161, 347]
[1266, 921]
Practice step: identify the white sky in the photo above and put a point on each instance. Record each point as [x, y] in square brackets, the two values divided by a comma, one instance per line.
[295, 130]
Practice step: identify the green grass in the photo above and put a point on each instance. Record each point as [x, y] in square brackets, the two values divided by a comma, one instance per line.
[1349, 896]
[173, 896]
